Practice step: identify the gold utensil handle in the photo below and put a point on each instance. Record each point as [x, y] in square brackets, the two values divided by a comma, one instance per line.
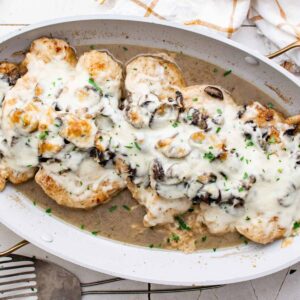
[14, 248]
[285, 49]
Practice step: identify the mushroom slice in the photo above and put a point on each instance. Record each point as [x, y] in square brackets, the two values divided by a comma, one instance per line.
[166, 186]
[196, 117]
[140, 109]
[173, 147]
[9, 73]
[102, 152]
[160, 210]
[214, 92]
[197, 95]
[166, 113]
[261, 115]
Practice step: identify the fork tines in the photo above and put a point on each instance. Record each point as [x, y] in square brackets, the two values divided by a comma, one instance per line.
[17, 278]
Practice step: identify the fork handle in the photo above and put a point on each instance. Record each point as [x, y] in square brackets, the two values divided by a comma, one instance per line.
[14, 248]
[145, 292]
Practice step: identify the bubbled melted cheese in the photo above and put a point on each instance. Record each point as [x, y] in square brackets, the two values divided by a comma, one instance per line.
[49, 119]
[208, 151]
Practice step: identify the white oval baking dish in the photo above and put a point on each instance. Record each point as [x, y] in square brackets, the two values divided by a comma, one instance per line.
[134, 262]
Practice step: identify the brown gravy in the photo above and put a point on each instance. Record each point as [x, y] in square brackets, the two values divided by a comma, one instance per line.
[121, 218]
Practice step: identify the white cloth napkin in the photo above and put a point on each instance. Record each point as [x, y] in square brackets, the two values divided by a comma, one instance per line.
[277, 20]
[223, 16]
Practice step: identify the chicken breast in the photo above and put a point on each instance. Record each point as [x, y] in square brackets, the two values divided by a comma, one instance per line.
[71, 172]
[9, 74]
[245, 202]
[153, 85]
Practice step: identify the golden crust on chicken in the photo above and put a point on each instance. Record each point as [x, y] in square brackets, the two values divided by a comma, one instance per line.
[103, 192]
[48, 49]
[159, 75]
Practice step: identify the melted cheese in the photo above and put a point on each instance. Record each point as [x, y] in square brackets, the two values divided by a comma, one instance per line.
[240, 163]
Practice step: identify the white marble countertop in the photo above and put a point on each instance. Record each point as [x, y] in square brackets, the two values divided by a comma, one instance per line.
[15, 14]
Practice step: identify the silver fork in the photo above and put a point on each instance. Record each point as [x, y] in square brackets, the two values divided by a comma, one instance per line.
[27, 278]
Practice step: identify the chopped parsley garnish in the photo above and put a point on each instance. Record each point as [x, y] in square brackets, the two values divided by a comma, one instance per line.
[271, 140]
[94, 232]
[175, 237]
[29, 166]
[210, 156]
[280, 170]
[43, 135]
[34, 203]
[215, 70]
[48, 210]
[175, 124]
[195, 99]
[151, 246]
[125, 48]
[95, 85]
[241, 189]
[190, 118]
[242, 158]
[182, 224]
[82, 226]
[137, 146]
[218, 129]
[296, 225]
[270, 105]
[113, 208]
[249, 143]
[226, 73]
[219, 111]
[92, 47]
[81, 183]
[214, 249]
[204, 238]
[126, 207]
[245, 175]
[100, 138]
[246, 242]
[248, 218]
[129, 147]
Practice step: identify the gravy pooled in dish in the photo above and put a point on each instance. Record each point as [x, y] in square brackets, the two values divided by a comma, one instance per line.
[193, 158]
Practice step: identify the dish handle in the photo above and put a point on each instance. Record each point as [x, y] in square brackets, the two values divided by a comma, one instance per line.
[285, 49]
[13, 248]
